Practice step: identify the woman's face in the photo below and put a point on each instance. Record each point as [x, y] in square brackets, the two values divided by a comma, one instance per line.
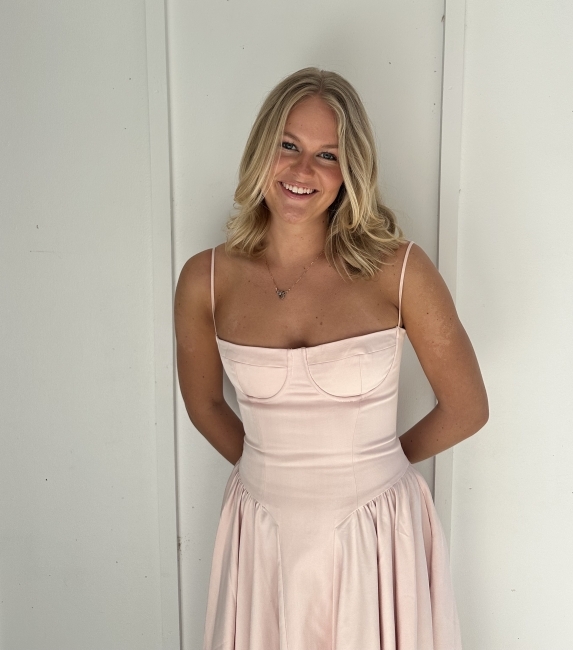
[306, 176]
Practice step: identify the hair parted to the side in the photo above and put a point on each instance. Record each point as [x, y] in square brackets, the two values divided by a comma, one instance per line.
[362, 230]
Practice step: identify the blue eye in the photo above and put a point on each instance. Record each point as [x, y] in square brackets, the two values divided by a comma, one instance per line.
[327, 153]
[288, 145]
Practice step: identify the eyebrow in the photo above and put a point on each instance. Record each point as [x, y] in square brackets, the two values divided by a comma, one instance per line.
[324, 146]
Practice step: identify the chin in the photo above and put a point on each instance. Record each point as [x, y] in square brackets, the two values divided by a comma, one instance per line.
[292, 218]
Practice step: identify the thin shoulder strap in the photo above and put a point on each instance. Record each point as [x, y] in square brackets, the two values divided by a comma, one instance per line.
[402, 282]
[213, 288]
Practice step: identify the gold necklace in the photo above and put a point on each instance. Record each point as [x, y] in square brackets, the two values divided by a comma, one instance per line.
[281, 293]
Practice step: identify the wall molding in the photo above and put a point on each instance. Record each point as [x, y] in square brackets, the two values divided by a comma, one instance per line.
[449, 190]
[163, 287]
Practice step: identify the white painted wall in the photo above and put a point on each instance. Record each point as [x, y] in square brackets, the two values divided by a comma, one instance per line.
[83, 559]
[224, 58]
[513, 485]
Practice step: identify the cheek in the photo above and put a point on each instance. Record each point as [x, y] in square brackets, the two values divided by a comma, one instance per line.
[335, 180]
[279, 163]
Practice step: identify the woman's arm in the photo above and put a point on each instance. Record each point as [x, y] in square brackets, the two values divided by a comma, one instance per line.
[447, 358]
[199, 365]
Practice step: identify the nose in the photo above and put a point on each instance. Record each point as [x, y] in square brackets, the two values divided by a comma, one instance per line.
[303, 164]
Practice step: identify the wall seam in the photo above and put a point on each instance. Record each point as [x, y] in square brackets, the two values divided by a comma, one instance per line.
[448, 202]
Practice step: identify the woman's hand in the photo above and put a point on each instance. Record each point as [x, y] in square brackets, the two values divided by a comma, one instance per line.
[447, 358]
[199, 366]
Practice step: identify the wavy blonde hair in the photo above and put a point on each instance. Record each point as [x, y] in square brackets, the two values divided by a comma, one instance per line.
[362, 231]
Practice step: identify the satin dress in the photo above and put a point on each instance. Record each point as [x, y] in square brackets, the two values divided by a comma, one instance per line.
[328, 537]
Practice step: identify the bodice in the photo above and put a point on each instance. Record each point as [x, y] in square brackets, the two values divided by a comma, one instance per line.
[319, 420]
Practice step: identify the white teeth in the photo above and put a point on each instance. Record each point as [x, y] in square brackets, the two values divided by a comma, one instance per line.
[296, 189]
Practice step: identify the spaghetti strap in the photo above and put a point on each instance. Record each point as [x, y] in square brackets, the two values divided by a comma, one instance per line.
[213, 288]
[402, 282]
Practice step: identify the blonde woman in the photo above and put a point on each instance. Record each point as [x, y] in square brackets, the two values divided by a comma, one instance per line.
[328, 537]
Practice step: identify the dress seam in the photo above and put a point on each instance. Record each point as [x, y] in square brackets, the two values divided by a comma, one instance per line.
[282, 599]
[353, 354]
[352, 451]
[377, 496]
[257, 501]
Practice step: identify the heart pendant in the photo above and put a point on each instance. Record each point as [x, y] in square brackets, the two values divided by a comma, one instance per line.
[281, 294]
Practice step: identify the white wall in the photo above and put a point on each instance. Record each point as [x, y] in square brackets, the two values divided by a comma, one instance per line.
[224, 58]
[513, 484]
[80, 556]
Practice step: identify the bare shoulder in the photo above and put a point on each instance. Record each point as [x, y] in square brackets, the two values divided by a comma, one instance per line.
[192, 304]
[427, 305]
[195, 272]
[417, 263]
[431, 319]
[418, 260]
[195, 276]
[425, 295]
[439, 339]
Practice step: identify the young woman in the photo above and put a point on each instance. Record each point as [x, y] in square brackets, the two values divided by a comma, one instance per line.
[328, 536]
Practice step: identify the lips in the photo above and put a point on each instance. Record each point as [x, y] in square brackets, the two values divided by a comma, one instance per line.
[297, 191]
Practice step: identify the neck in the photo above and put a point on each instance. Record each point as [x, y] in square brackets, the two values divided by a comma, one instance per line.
[289, 245]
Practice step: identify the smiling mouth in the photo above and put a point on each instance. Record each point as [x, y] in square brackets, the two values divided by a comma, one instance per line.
[297, 190]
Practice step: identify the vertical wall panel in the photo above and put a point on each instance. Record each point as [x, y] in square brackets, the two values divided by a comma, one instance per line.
[80, 559]
[224, 58]
[513, 485]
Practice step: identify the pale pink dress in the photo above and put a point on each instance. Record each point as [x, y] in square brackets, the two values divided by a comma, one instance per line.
[328, 536]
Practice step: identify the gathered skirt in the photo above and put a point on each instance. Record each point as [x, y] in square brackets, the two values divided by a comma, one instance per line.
[377, 580]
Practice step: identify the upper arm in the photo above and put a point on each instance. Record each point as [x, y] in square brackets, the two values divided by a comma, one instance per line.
[199, 367]
[440, 340]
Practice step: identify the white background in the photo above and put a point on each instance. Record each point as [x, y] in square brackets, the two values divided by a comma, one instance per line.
[512, 522]
[87, 524]
[83, 520]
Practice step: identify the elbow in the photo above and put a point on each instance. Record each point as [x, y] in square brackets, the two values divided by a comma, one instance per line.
[478, 415]
[202, 411]
[481, 420]
[485, 414]
[475, 408]
[467, 416]
[484, 410]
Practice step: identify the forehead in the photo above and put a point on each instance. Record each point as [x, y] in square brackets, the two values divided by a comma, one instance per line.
[312, 118]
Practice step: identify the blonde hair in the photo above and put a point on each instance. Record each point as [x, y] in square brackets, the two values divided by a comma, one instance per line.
[362, 230]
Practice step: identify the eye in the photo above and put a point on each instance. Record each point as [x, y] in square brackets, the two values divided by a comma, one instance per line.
[331, 156]
[290, 146]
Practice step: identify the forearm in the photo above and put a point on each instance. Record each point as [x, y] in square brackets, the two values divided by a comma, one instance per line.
[439, 430]
[222, 428]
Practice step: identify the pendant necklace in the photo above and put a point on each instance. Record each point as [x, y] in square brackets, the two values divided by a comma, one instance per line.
[281, 293]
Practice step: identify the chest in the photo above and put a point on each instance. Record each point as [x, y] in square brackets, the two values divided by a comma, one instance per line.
[319, 308]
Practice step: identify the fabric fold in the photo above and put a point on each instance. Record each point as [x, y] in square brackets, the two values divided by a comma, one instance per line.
[391, 586]
[243, 602]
